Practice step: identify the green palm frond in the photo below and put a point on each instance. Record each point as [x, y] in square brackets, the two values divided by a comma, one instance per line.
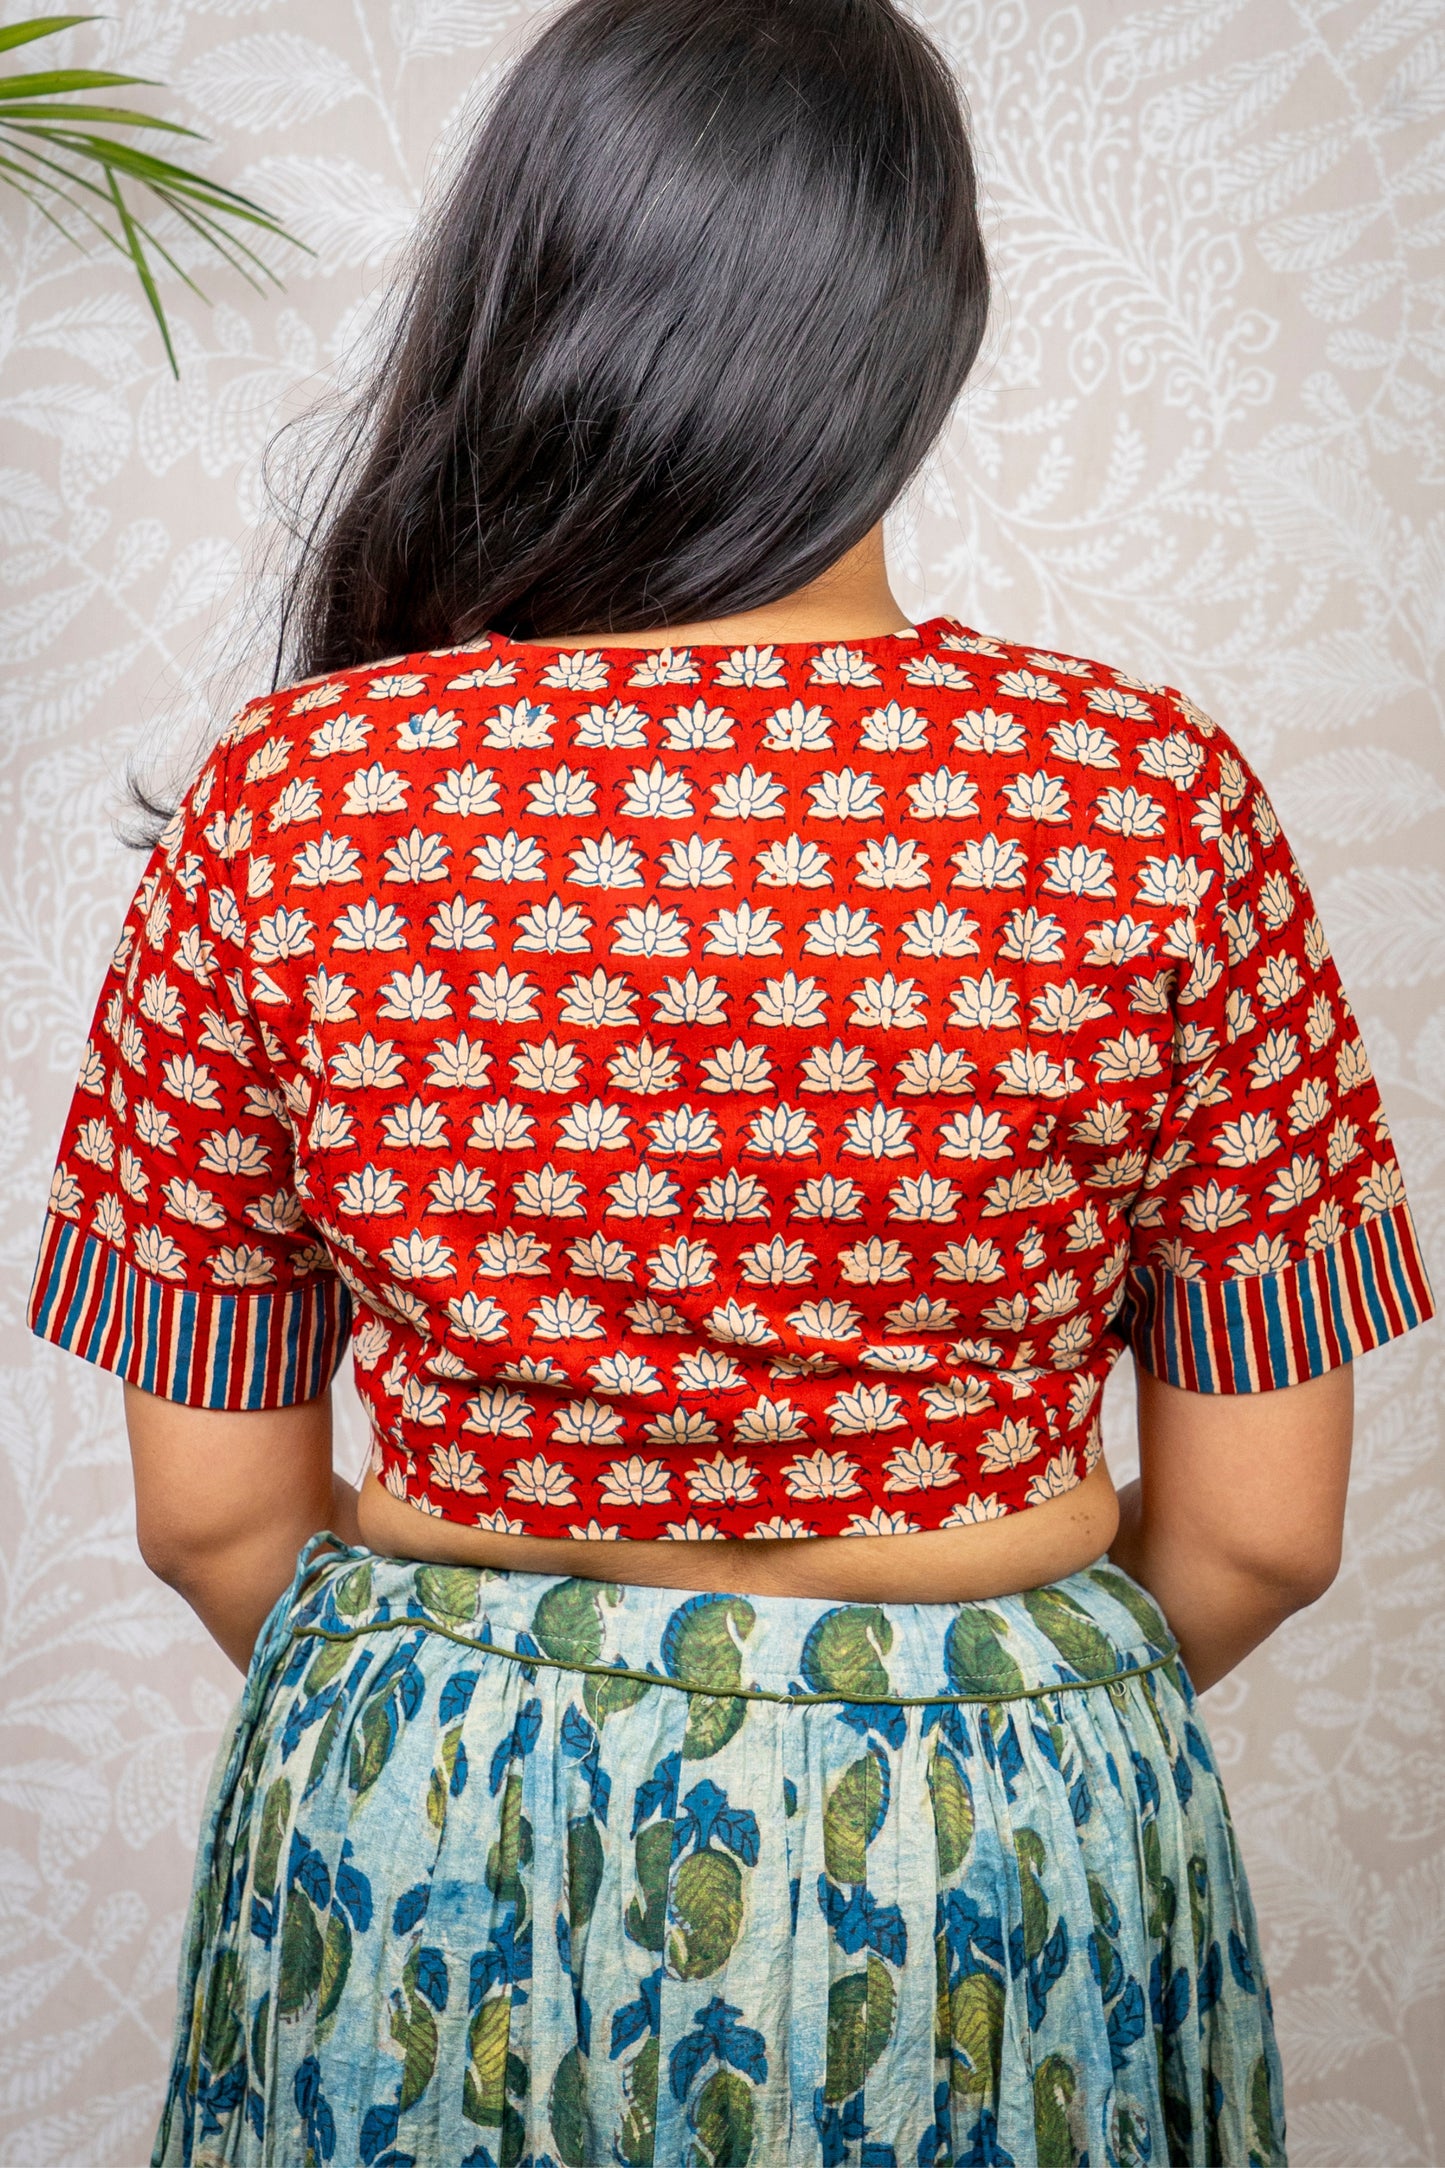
[56, 150]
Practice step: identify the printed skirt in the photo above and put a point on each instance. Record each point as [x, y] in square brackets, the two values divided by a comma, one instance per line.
[505, 1870]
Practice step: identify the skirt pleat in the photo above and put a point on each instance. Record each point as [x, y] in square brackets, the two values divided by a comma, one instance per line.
[508, 1871]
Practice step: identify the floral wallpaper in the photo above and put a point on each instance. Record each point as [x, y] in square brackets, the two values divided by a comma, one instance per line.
[1205, 442]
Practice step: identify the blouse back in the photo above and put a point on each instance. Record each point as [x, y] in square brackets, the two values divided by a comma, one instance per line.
[751, 1092]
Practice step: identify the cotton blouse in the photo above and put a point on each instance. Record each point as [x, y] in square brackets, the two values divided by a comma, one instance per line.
[751, 1092]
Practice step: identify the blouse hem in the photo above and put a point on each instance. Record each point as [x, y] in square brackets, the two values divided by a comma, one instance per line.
[1257, 1332]
[255, 1348]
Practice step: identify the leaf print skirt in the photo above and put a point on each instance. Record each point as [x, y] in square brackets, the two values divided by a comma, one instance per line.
[504, 1870]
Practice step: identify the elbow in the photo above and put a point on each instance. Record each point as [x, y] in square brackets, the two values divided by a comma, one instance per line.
[1294, 1575]
[175, 1554]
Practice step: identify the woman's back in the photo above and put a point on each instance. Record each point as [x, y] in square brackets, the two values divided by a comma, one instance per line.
[748, 1092]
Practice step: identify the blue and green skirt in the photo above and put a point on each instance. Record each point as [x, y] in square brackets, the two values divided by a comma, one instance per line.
[504, 1869]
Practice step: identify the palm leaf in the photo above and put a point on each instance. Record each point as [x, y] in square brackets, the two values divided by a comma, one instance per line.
[51, 146]
[37, 26]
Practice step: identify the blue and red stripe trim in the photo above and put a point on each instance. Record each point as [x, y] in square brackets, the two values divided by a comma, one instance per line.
[210, 1348]
[1252, 1333]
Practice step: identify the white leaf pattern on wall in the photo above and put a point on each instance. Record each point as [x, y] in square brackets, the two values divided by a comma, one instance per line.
[274, 79]
[345, 211]
[1359, 791]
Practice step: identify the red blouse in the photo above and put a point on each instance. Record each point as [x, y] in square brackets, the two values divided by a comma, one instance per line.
[725, 1093]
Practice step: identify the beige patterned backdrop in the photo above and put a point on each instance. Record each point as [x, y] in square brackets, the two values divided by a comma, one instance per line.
[1206, 441]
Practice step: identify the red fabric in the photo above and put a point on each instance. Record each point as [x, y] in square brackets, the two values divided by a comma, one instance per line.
[743, 1092]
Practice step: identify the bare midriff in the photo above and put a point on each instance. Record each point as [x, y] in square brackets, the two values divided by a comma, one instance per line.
[945, 1565]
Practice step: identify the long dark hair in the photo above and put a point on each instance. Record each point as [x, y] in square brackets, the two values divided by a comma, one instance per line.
[687, 319]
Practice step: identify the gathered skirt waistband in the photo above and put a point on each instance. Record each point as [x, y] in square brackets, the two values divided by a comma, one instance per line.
[1093, 1626]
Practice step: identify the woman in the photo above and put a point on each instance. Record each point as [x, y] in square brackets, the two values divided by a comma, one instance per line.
[731, 1064]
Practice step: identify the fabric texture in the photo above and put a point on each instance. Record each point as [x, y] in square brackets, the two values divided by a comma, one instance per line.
[504, 1867]
[726, 1092]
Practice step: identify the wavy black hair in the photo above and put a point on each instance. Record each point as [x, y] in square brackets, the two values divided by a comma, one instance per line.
[684, 323]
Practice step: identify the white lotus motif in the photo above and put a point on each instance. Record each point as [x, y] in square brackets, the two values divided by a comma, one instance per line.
[790, 1002]
[658, 793]
[502, 1127]
[618, 723]
[509, 1255]
[792, 863]
[723, 1480]
[524, 724]
[599, 1003]
[644, 1068]
[554, 928]
[510, 857]
[986, 730]
[541, 1482]
[376, 789]
[454, 1468]
[828, 1197]
[691, 1000]
[588, 1423]
[842, 666]
[732, 1196]
[497, 1412]
[798, 729]
[594, 1126]
[781, 1132]
[736, 1068]
[416, 996]
[749, 795]
[636, 1482]
[370, 1192]
[650, 930]
[1085, 744]
[552, 1067]
[419, 1257]
[478, 1317]
[892, 862]
[842, 932]
[924, 1197]
[779, 1263]
[890, 1004]
[461, 923]
[562, 794]
[837, 1068]
[844, 795]
[643, 1193]
[943, 796]
[369, 926]
[1129, 812]
[695, 862]
[550, 1193]
[877, 1132]
[698, 729]
[685, 1132]
[418, 1126]
[566, 1317]
[471, 791]
[327, 861]
[598, 1257]
[429, 728]
[681, 1264]
[744, 932]
[822, 1475]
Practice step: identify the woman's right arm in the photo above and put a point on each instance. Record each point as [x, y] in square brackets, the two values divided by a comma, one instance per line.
[1237, 1517]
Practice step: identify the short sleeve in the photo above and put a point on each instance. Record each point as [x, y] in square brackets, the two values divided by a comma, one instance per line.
[176, 1251]
[1271, 1237]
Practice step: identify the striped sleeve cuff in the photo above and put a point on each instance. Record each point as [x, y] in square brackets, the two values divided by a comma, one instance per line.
[1256, 1332]
[208, 1349]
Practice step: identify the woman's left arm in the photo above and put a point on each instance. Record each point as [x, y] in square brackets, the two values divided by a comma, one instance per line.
[225, 1499]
